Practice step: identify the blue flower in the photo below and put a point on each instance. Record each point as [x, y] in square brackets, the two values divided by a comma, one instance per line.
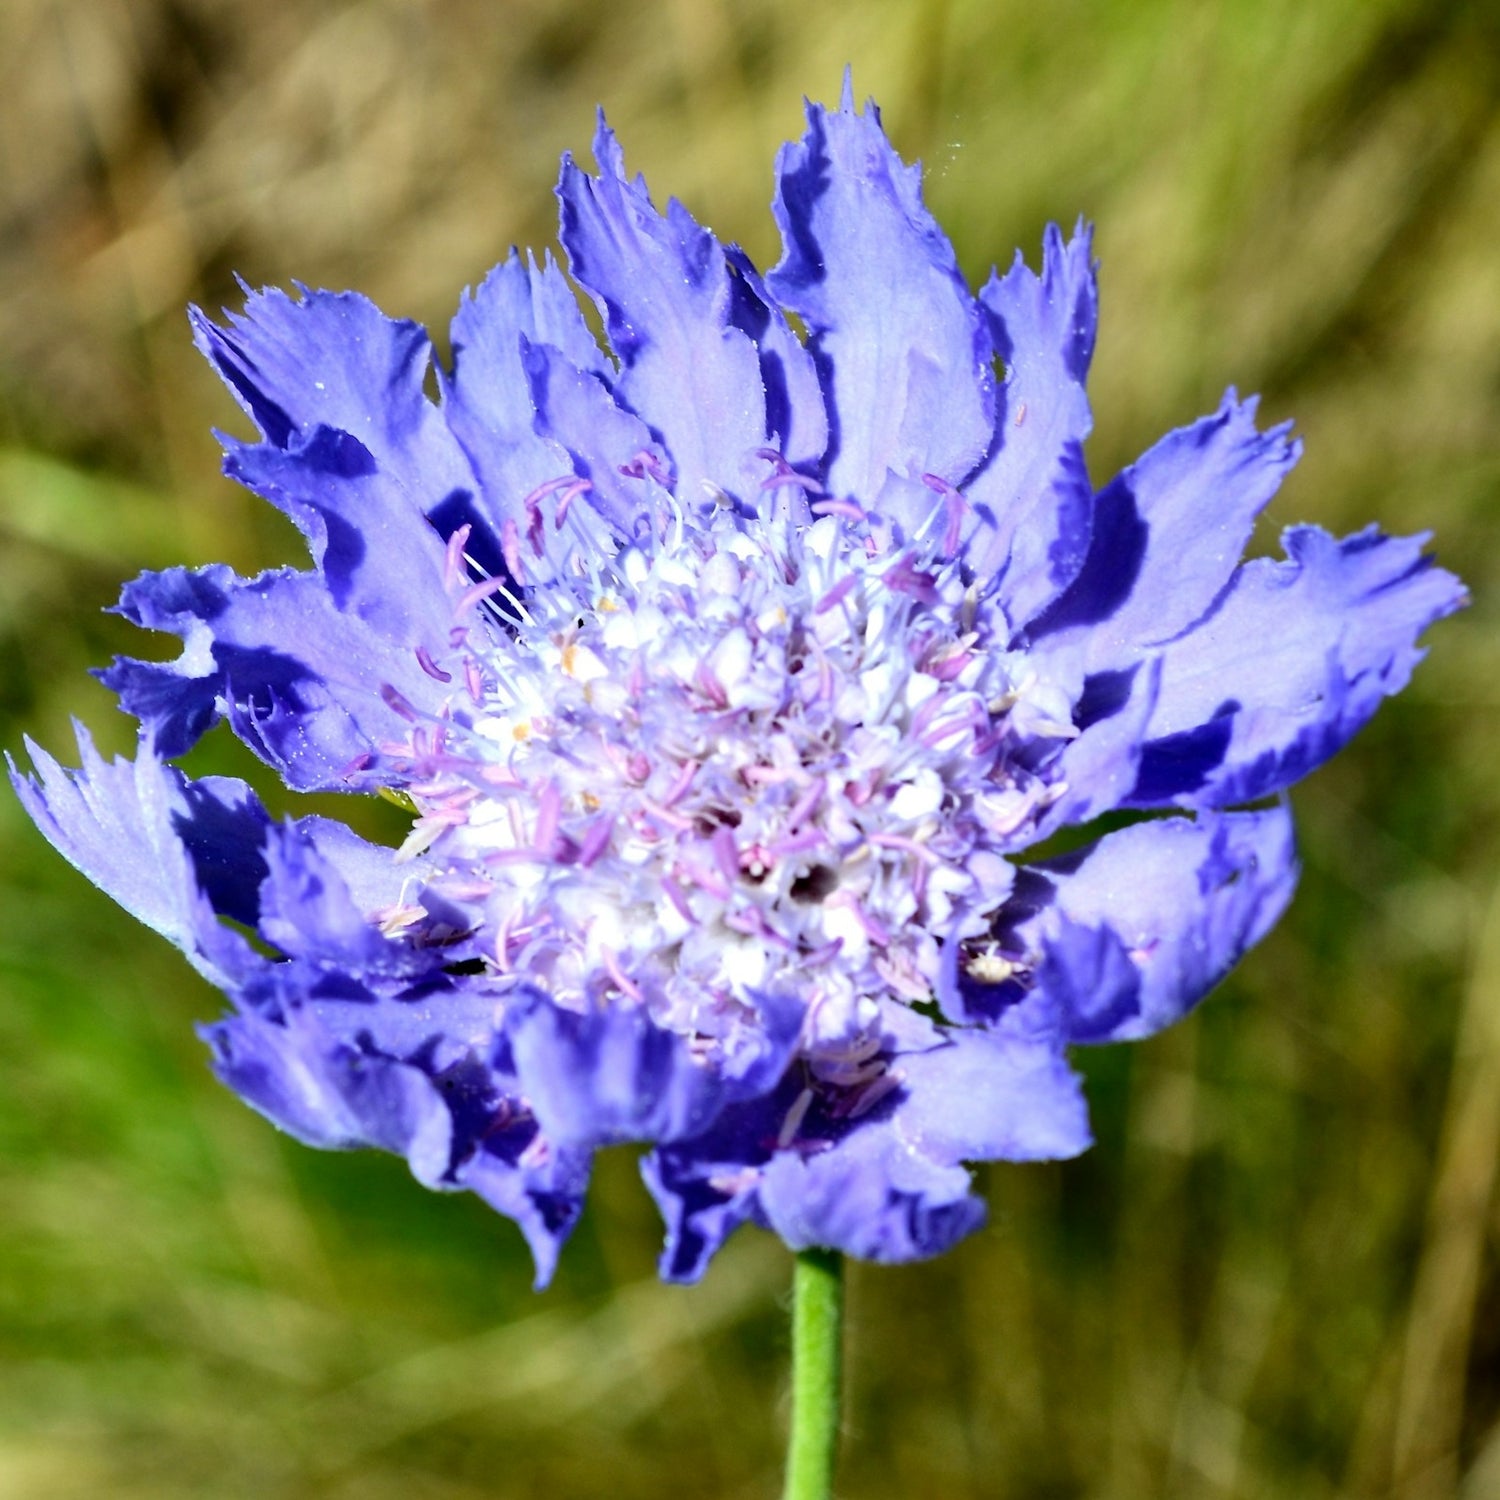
[730, 674]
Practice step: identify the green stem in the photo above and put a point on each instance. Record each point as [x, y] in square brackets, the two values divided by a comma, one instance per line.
[817, 1371]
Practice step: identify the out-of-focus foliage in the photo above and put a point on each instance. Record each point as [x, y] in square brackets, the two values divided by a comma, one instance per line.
[1276, 1275]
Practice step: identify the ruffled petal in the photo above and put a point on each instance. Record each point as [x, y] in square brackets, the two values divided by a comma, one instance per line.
[613, 1075]
[663, 288]
[1295, 659]
[543, 1195]
[1097, 771]
[380, 559]
[311, 688]
[306, 911]
[869, 1195]
[904, 357]
[329, 1093]
[862, 1188]
[796, 418]
[1031, 504]
[987, 1095]
[328, 359]
[1167, 536]
[153, 842]
[701, 1201]
[1134, 930]
[488, 398]
[609, 446]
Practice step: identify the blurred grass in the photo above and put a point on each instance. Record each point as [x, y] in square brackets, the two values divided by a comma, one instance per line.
[1276, 1274]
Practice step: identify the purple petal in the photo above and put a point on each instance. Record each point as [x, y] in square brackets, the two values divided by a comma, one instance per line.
[369, 536]
[153, 842]
[334, 360]
[576, 409]
[990, 1096]
[700, 1207]
[796, 416]
[330, 1094]
[307, 686]
[1167, 536]
[1032, 502]
[1098, 770]
[864, 1190]
[545, 1198]
[905, 358]
[306, 910]
[613, 1075]
[488, 400]
[1138, 927]
[368, 871]
[1295, 659]
[663, 288]
[869, 1195]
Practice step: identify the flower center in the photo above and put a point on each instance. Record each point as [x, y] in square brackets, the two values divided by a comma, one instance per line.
[691, 774]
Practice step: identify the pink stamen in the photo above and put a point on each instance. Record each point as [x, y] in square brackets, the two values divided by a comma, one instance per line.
[361, 762]
[596, 841]
[726, 854]
[845, 508]
[926, 712]
[479, 592]
[647, 463]
[757, 859]
[836, 595]
[623, 982]
[510, 548]
[905, 845]
[453, 558]
[679, 787]
[665, 815]
[678, 897]
[566, 499]
[710, 686]
[473, 681]
[768, 775]
[950, 666]
[956, 506]
[874, 1092]
[783, 473]
[548, 814]
[794, 1118]
[904, 577]
[806, 805]
[706, 878]
[430, 667]
[797, 843]
[397, 704]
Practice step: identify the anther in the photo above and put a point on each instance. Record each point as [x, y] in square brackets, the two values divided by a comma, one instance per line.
[430, 667]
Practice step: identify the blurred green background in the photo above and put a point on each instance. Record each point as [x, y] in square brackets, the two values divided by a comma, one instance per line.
[1276, 1275]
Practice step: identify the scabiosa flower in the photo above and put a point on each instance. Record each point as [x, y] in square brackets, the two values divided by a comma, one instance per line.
[731, 676]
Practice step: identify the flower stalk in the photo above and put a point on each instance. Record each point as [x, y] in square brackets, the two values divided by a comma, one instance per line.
[817, 1374]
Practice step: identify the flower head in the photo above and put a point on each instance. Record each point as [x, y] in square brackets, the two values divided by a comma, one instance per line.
[729, 676]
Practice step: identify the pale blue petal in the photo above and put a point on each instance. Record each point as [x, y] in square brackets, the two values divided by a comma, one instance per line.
[1031, 504]
[663, 288]
[904, 357]
[1296, 658]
